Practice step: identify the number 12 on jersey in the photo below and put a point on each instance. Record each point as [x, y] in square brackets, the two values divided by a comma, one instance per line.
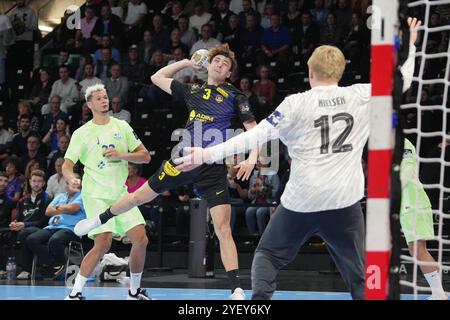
[324, 124]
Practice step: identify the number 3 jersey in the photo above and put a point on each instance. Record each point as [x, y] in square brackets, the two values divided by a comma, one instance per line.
[212, 110]
[103, 177]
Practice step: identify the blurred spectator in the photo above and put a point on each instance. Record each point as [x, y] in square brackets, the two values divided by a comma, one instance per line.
[199, 18]
[6, 39]
[88, 79]
[57, 130]
[137, 10]
[232, 33]
[103, 67]
[238, 190]
[292, 19]
[331, 34]
[25, 25]
[56, 183]
[66, 89]
[172, 12]
[189, 6]
[33, 153]
[106, 43]
[247, 10]
[175, 42]
[136, 71]
[53, 114]
[6, 206]
[40, 92]
[205, 42]
[356, 41]
[184, 75]
[30, 218]
[307, 38]
[246, 87]
[108, 24]
[221, 15]
[264, 88]
[160, 36]
[275, 42]
[250, 39]
[117, 111]
[319, 13]
[187, 36]
[19, 143]
[146, 47]
[344, 16]
[86, 116]
[152, 93]
[14, 189]
[269, 9]
[49, 244]
[63, 144]
[117, 85]
[263, 189]
[23, 107]
[135, 179]
[117, 7]
[87, 25]
[6, 138]
[29, 168]
[79, 73]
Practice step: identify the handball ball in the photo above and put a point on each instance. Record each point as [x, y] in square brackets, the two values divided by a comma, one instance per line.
[200, 58]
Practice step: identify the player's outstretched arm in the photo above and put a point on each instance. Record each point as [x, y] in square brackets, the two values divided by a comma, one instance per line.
[164, 76]
[248, 140]
[407, 69]
[246, 167]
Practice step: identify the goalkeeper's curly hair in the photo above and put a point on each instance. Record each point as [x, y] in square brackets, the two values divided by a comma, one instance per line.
[224, 50]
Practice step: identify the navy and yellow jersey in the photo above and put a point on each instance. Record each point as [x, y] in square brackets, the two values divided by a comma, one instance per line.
[212, 110]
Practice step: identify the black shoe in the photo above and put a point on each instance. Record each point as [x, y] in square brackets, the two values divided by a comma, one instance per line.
[141, 294]
[78, 296]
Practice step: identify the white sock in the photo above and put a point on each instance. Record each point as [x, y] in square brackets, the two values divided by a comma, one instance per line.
[135, 282]
[80, 281]
[434, 280]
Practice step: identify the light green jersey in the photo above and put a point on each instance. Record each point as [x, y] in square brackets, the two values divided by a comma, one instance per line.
[103, 178]
[413, 194]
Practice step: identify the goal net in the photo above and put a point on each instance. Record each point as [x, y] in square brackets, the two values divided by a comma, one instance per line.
[426, 121]
[421, 117]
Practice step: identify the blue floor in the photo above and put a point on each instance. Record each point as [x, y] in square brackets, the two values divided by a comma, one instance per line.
[10, 292]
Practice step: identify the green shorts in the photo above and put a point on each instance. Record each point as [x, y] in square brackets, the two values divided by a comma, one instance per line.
[118, 225]
[417, 224]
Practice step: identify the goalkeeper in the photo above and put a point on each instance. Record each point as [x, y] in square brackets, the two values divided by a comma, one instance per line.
[213, 109]
[416, 220]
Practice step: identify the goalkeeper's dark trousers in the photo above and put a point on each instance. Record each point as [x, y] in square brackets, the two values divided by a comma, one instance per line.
[342, 230]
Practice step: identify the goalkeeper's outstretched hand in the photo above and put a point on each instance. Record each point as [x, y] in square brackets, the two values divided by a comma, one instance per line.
[414, 25]
[193, 158]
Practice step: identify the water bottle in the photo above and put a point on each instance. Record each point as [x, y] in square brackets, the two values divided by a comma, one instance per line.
[11, 268]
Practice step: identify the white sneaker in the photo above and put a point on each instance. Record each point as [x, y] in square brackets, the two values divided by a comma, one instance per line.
[86, 225]
[238, 294]
[77, 296]
[24, 275]
[141, 294]
[438, 297]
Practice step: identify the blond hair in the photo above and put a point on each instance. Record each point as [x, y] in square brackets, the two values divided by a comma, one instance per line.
[327, 63]
[94, 88]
